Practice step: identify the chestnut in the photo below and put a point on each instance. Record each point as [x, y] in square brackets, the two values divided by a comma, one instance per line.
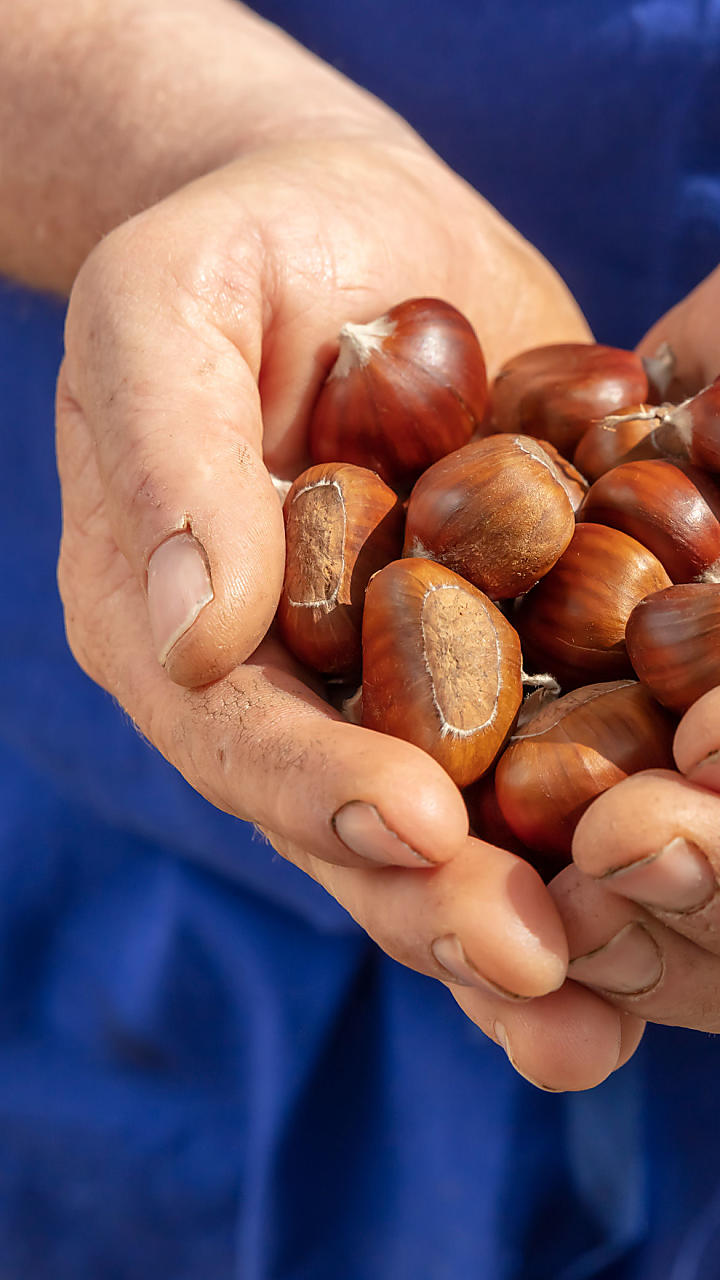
[496, 511]
[573, 622]
[672, 510]
[690, 430]
[559, 761]
[342, 523]
[556, 392]
[442, 667]
[405, 390]
[606, 442]
[673, 639]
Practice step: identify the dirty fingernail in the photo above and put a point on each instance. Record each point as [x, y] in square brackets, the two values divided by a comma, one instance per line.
[178, 587]
[451, 956]
[629, 964]
[678, 878]
[360, 828]
[501, 1035]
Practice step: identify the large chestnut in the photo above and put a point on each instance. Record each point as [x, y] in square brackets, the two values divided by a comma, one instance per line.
[673, 639]
[573, 622]
[673, 510]
[442, 667]
[497, 512]
[571, 751]
[342, 523]
[556, 392]
[405, 390]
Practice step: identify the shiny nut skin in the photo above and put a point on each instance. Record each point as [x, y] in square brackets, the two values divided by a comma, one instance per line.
[442, 667]
[606, 443]
[673, 639]
[342, 524]
[497, 512]
[572, 479]
[573, 750]
[556, 392]
[573, 623]
[405, 390]
[672, 510]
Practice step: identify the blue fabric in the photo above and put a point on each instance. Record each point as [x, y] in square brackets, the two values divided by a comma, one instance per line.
[206, 1071]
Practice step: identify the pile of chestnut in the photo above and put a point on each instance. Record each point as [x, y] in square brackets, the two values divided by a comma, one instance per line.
[456, 547]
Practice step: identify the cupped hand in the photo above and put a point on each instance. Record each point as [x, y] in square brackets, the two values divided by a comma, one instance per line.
[198, 334]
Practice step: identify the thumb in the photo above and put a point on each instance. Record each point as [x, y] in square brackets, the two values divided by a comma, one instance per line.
[170, 396]
[692, 330]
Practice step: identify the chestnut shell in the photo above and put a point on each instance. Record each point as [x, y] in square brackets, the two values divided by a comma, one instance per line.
[673, 640]
[572, 623]
[342, 524]
[572, 751]
[556, 392]
[497, 512]
[442, 666]
[405, 390]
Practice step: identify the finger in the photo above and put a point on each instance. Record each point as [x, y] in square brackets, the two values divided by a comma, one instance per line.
[482, 920]
[571, 1039]
[655, 839]
[172, 402]
[697, 742]
[691, 329]
[259, 743]
[633, 959]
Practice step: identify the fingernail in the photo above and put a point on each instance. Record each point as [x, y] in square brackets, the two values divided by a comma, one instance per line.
[679, 878]
[501, 1036]
[360, 828]
[708, 762]
[450, 955]
[629, 964]
[178, 588]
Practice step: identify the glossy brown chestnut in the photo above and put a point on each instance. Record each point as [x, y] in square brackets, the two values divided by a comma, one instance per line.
[574, 749]
[673, 639]
[405, 390]
[606, 443]
[442, 667]
[497, 512]
[572, 624]
[342, 524]
[672, 510]
[556, 392]
[693, 427]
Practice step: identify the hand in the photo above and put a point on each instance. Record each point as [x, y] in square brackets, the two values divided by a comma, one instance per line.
[197, 336]
[641, 905]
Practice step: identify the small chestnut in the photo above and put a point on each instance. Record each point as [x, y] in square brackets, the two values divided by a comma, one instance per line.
[559, 761]
[673, 639]
[606, 442]
[442, 667]
[496, 511]
[342, 523]
[573, 622]
[556, 392]
[405, 390]
[672, 510]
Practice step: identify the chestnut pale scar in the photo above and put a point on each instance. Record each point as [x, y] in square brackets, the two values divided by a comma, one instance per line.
[463, 659]
[315, 572]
